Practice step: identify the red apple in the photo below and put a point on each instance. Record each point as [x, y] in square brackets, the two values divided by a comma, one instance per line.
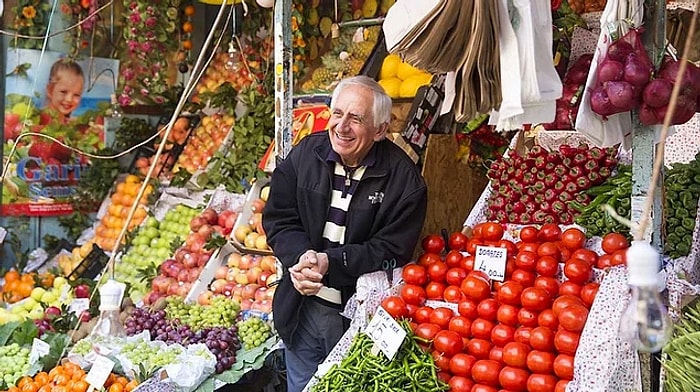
[230, 221]
[183, 276]
[262, 279]
[193, 275]
[234, 260]
[210, 215]
[254, 274]
[162, 283]
[246, 303]
[246, 261]
[205, 298]
[260, 293]
[205, 231]
[196, 223]
[82, 291]
[221, 272]
[85, 316]
[190, 260]
[217, 286]
[52, 312]
[228, 288]
[268, 263]
[249, 290]
[221, 221]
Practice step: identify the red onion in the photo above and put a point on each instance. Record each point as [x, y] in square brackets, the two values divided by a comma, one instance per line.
[600, 103]
[636, 71]
[610, 70]
[619, 50]
[691, 79]
[621, 95]
[657, 93]
[647, 115]
[685, 110]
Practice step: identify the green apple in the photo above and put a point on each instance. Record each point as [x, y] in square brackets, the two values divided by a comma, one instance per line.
[36, 313]
[37, 293]
[49, 297]
[59, 282]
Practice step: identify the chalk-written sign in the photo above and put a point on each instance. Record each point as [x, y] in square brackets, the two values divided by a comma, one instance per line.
[385, 332]
[492, 260]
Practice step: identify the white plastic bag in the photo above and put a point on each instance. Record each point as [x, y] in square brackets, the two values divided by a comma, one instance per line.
[191, 368]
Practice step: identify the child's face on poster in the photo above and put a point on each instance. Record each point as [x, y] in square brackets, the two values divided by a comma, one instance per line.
[65, 93]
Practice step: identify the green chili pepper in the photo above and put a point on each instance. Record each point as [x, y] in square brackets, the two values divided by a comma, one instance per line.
[689, 224]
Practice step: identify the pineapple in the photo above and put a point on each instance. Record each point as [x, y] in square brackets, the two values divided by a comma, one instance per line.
[361, 50]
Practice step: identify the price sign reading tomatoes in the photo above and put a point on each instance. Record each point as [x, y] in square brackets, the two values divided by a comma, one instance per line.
[492, 260]
[385, 332]
[101, 368]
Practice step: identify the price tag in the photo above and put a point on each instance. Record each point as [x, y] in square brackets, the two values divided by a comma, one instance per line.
[385, 332]
[99, 372]
[492, 260]
[39, 349]
[78, 305]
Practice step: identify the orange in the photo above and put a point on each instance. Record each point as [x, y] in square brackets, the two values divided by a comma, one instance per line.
[41, 378]
[56, 370]
[110, 380]
[59, 388]
[121, 187]
[131, 385]
[122, 380]
[61, 378]
[11, 285]
[28, 278]
[189, 10]
[80, 386]
[29, 387]
[13, 389]
[11, 275]
[45, 388]
[46, 280]
[187, 44]
[25, 289]
[116, 387]
[24, 381]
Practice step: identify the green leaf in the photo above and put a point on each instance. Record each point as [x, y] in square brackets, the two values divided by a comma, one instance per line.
[57, 342]
[6, 331]
[25, 332]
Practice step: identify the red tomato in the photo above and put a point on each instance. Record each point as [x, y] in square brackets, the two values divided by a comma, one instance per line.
[434, 290]
[509, 293]
[455, 275]
[413, 294]
[433, 243]
[535, 298]
[542, 338]
[564, 366]
[441, 360]
[513, 378]
[573, 318]
[415, 274]
[515, 354]
[549, 232]
[526, 260]
[485, 371]
[467, 308]
[502, 334]
[586, 254]
[422, 314]
[522, 334]
[547, 266]
[441, 316]
[491, 231]
[476, 286]
[564, 252]
[453, 258]
[570, 288]
[427, 331]
[428, 258]
[548, 319]
[472, 244]
[561, 386]
[528, 247]
[460, 384]
[487, 309]
[496, 354]
[588, 293]
[481, 328]
[541, 362]
[461, 364]
[457, 241]
[604, 261]
[528, 234]
[613, 242]
[483, 388]
[411, 310]
[448, 342]
[566, 342]
[619, 257]
[541, 383]
[578, 271]
[467, 263]
[479, 348]
[461, 325]
[564, 301]
[395, 306]
[524, 277]
[573, 238]
[548, 284]
[452, 294]
[437, 271]
[548, 249]
[527, 318]
[508, 315]
[512, 249]
[444, 376]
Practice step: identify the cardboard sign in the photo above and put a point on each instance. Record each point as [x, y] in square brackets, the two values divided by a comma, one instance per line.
[385, 332]
[492, 260]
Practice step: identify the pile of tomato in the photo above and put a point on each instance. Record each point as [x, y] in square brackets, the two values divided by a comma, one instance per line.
[520, 334]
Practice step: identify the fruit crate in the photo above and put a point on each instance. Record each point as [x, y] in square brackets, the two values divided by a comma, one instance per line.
[207, 275]
[245, 216]
[91, 266]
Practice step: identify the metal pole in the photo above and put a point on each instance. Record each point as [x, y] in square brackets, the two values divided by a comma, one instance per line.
[283, 78]
[3, 57]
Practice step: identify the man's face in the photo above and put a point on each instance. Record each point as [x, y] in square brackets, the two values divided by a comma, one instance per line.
[64, 95]
[351, 127]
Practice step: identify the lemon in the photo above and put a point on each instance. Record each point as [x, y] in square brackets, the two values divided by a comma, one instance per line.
[410, 85]
[389, 66]
[392, 86]
[406, 70]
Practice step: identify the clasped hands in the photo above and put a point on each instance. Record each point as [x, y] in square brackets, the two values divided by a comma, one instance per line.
[308, 272]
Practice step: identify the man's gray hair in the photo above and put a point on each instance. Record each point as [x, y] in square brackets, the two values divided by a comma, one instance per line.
[381, 106]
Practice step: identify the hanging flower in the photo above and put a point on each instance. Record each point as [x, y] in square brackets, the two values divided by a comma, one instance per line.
[151, 21]
[29, 12]
[135, 18]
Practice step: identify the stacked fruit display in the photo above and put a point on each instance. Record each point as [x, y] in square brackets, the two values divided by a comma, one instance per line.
[120, 203]
[151, 245]
[206, 139]
[14, 363]
[248, 232]
[177, 137]
[245, 279]
[69, 377]
[67, 263]
[400, 79]
[18, 286]
[40, 299]
[518, 334]
[226, 68]
[176, 275]
[538, 186]
[253, 331]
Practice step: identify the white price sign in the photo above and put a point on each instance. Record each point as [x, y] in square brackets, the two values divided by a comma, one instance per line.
[492, 260]
[39, 349]
[385, 332]
[99, 371]
[78, 305]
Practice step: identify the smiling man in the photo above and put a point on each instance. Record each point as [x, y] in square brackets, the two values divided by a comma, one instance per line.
[340, 204]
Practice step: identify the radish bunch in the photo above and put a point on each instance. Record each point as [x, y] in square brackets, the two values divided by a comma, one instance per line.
[657, 94]
[537, 186]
